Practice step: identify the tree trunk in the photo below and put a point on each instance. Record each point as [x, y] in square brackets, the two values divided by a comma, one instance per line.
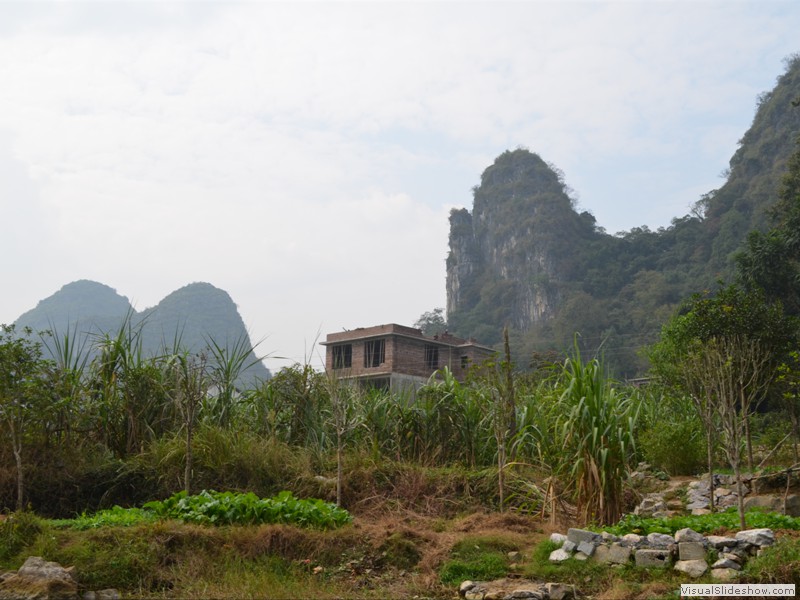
[339, 469]
[750, 462]
[187, 474]
[501, 479]
[710, 459]
[20, 478]
[740, 491]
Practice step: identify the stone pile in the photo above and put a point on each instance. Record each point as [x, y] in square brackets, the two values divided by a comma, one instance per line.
[514, 589]
[687, 551]
[38, 579]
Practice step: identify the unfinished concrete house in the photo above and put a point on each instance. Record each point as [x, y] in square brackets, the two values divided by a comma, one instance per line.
[395, 357]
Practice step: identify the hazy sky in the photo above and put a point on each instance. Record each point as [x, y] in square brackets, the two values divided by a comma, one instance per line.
[304, 157]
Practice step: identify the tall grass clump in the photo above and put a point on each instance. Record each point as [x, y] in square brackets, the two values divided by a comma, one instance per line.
[592, 439]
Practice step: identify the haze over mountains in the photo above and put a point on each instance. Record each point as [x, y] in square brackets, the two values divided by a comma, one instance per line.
[195, 313]
[527, 257]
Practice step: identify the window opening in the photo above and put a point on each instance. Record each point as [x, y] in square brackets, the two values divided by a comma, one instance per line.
[343, 356]
[374, 353]
[431, 356]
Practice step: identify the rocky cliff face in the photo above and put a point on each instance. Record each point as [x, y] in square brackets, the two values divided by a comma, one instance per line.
[510, 257]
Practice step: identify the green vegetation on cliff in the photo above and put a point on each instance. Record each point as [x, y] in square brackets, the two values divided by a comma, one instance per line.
[524, 257]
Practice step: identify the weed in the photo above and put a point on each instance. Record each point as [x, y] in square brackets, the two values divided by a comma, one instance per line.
[777, 564]
[477, 558]
[400, 551]
[16, 531]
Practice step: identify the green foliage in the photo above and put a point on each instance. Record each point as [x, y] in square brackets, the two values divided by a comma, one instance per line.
[111, 517]
[701, 523]
[659, 446]
[779, 563]
[525, 257]
[16, 531]
[228, 508]
[481, 558]
[432, 322]
[400, 551]
[595, 429]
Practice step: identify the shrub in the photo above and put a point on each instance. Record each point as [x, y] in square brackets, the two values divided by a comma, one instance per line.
[676, 447]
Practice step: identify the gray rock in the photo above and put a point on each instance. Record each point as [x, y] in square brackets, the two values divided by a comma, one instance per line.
[559, 555]
[631, 539]
[465, 586]
[652, 557]
[693, 568]
[689, 535]
[569, 546]
[525, 593]
[701, 511]
[724, 574]
[700, 503]
[608, 538]
[757, 537]
[726, 563]
[580, 556]
[587, 548]
[475, 594]
[558, 538]
[582, 535]
[560, 591]
[659, 540]
[601, 554]
[619, 554]
[691, 551]
[793, 505]
[770, 503]
[651, 503]
[737, 558]
[720, 541]
[38, 578]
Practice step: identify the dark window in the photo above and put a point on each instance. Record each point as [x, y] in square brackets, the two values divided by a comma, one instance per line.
[374, 353]
[464, 362]
[343, 356]
[431, 356]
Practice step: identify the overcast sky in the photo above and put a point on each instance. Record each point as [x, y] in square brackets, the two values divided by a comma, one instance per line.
[304, 157]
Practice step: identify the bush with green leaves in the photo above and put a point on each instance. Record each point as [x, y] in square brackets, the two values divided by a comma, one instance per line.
[678, 447]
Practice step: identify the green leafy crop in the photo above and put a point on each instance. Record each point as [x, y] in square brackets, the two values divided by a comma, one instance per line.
[229, 508]
[701, 523]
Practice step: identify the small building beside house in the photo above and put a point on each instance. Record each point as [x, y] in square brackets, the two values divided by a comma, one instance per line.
[396, 357]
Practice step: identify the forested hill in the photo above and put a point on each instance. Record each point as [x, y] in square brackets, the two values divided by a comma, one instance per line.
[194, 315]
[524, 255]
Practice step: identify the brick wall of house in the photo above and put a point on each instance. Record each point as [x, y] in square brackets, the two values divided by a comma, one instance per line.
[404, 352]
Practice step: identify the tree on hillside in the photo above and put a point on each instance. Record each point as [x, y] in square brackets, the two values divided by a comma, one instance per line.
[771, 260]
[23, 397]
[723, 351]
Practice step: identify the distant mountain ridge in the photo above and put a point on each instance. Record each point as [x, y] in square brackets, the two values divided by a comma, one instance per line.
[525, 258]
[193, 314]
